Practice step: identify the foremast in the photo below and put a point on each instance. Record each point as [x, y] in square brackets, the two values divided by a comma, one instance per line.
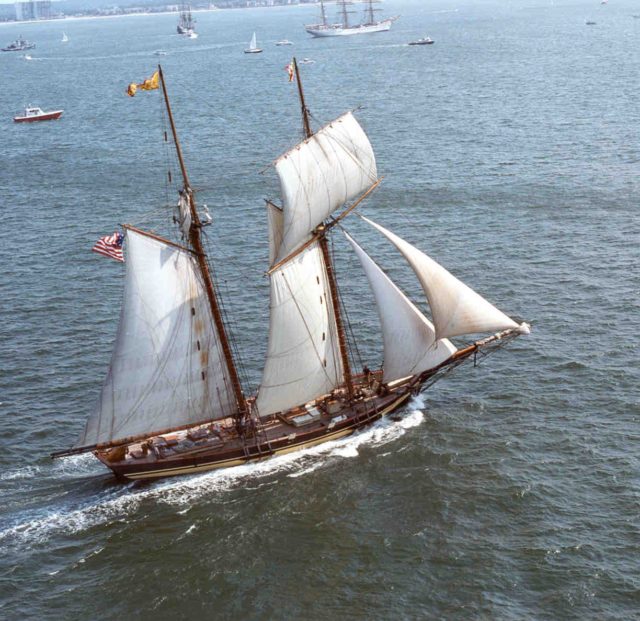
[345, 14]
[201, 260]
[324, 248]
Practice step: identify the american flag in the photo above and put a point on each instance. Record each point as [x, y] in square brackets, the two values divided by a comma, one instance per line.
[290, 71]
[110, 246]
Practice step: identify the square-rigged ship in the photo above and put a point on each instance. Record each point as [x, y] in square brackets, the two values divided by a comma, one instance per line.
[173, 403]
[343, 27]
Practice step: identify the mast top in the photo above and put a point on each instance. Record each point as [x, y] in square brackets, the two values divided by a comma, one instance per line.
[305, 111]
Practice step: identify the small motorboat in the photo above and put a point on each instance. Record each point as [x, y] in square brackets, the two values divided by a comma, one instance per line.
[33, 113]
[307, 61]
[590, 23]
[284, 42]
[159, 53]
[423, 41]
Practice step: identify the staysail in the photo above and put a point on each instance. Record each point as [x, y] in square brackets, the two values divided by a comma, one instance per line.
[456, 308]
[303, 360]
[410, 346]
[319, 175]
[167, 369]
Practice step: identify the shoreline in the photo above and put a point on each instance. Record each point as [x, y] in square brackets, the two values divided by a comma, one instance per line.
[146, 14]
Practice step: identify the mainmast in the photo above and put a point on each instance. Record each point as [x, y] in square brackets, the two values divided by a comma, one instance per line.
[324, 247]
[323, 13]
[345, 13]
[369, 11]
[201, 258]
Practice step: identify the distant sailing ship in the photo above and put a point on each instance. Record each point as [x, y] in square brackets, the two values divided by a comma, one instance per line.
[173, 403]
[19, 45]
[343, 28]
[186, 23]
[65, 39]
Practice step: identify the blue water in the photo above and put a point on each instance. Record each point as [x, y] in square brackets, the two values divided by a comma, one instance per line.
[511, 152]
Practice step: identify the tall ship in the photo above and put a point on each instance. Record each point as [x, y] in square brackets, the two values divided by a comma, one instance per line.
[173, 402]
[344, 27]
[19, 45]
[186, 23]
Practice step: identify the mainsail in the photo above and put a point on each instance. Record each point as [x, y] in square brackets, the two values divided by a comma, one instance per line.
[456, 308]
[322, 173]
[167, 369]
[303, 361]
[410, 346]
[319, 175]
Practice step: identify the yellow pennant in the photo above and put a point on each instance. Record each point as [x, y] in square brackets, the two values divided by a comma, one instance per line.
[150, 84]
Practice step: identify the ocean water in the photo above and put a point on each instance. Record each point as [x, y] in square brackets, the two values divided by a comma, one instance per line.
[511, 154]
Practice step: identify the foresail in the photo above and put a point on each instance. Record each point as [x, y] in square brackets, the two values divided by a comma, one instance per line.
[167, 368]
[322, 173]
[410, 346]
[303, 360]
[456, 308]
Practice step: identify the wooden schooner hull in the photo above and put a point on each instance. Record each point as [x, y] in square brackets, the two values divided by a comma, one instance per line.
[176, 454]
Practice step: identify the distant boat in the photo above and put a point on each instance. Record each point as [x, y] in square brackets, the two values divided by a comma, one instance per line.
[19, 45]
[253, 46]
[343, 28]
[307, 61]
[28, 57]
[590, 23]
[65, 39]
[33, 113]
[284, 42]
[160, 53]
[191, 35]
[186, 23]
[423, 41]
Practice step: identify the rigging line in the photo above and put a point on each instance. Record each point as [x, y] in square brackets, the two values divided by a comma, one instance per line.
[229, 322]
[351, 341]
[230, 319]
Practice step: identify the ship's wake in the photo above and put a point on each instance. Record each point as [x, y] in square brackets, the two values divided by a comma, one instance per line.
[117, 502]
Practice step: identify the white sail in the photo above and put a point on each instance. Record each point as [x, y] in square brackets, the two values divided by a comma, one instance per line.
[276, 222]
[410, 346]
[167, 367]
[456, 308]
[184, 215]
[254, 43]
[322, 173]
[303, 360]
